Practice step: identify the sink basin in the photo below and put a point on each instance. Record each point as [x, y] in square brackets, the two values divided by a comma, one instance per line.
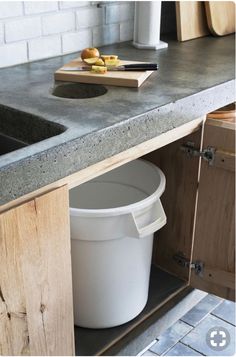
[8, 144]
[19, 129]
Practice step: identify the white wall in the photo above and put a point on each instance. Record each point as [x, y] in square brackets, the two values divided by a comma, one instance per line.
[32, 30]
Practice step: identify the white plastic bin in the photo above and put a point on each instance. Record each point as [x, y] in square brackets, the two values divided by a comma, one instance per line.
[113, 218]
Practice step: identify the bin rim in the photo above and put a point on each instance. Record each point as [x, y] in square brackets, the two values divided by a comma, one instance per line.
[127, 208]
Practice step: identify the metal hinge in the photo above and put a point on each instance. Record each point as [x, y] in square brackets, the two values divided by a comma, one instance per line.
[207, 154]
[185, 263]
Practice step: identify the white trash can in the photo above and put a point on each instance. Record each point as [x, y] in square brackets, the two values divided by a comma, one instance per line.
[113, 219]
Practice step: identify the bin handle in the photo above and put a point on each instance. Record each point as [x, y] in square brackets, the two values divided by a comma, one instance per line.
[152, 227]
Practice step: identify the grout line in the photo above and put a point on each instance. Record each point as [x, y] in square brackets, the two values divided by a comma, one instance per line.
[187, 323]
[203, 318]
[191, 348]
[147, 348]
[168, 349]
[220, 318]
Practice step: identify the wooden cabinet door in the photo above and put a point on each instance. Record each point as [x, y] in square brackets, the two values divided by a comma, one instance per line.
[35, 278]
[214, 244]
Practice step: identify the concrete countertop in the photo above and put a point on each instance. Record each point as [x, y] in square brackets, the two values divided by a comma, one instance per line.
[194, 78]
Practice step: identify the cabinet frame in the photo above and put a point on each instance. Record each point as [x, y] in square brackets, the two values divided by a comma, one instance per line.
[161, 150]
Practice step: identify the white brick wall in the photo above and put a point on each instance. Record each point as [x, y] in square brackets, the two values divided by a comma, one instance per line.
[31, 30]
[105, 35]
[60, 22]
[72, 4]
[119, 13]
[44, 47]
[1, 34]
[13, 53]
[22, 29]
[37, 7]
[90, 17]
[126, 30]
[76, 41]
[15, 8]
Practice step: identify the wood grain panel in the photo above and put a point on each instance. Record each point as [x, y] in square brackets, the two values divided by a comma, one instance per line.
[35, 278]
[214, 242]
[191, 20]
[179, 204]
[220, 17]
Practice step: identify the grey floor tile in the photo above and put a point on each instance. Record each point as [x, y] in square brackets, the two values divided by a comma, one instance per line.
[181, 350]
[196, 338]
[199, 312]
[170, 337]
[226, 312]
[149, 353]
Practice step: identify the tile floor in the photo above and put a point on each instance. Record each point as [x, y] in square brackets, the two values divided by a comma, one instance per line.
[188, 336]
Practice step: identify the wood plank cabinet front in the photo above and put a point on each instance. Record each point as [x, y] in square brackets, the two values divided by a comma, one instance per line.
[214, 234]
[199, 201]
[36, 314]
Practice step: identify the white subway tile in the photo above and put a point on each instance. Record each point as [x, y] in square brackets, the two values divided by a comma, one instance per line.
[76, 41]
[44, 47]
[90, 17]
[56, 23]
[1, 33]
[73, 4]
[119, 13]
[13, 53]
[22, 29]
[126, 31]
[105, 35]
[10, 9]
[36, 7]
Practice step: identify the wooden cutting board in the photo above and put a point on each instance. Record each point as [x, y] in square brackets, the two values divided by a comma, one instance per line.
[191, 20]
[220, 17]
[116, 78]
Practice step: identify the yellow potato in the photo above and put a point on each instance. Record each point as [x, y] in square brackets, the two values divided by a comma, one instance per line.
[112, 62]
[92, 60]
[99, 69]
[109, 57]
[99, 62]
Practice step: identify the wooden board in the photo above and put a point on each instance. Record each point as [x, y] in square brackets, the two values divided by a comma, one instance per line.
[35, 278]
[114, 78]
[178, 201]
[214, 243]
[191, 20]
[220, 17]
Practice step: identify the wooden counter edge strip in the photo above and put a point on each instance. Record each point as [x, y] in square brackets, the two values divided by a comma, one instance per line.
[112, 162]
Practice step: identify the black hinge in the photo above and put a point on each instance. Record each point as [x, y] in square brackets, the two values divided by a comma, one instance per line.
[207, 154]
[185, 263]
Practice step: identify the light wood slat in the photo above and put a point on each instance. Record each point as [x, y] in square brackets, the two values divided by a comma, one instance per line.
[191, 20]
[216, 289]
[214, 242]
[35, 278]
[221, 123]
[220, 277]
[220, 17]
[179, 204]
[224, 160]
